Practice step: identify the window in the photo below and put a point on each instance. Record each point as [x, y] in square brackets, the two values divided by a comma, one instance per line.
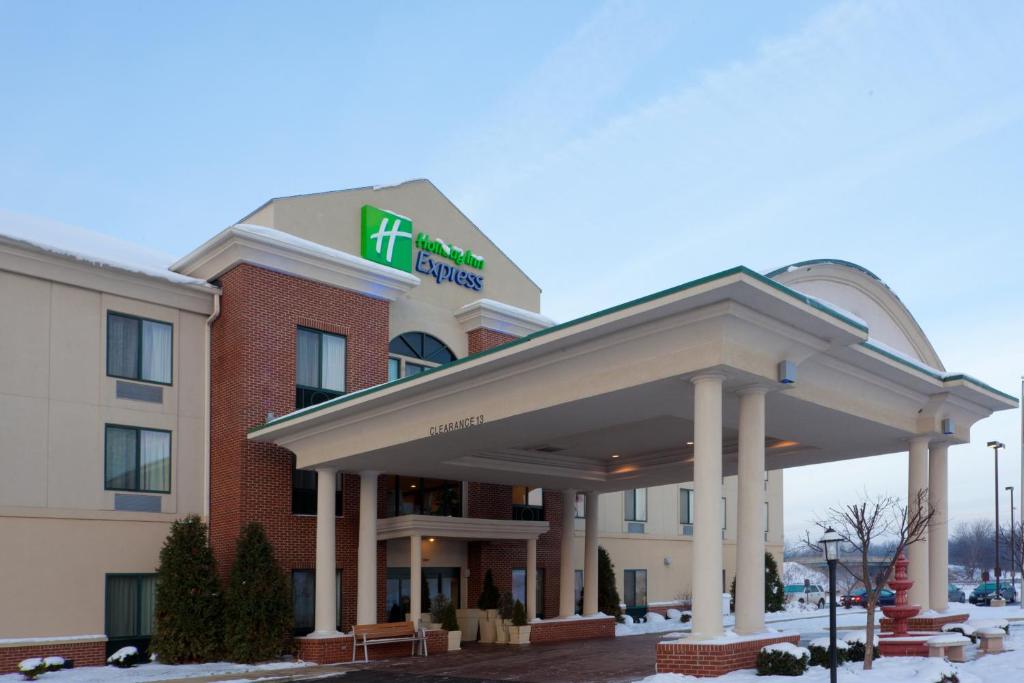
[304, 492]
[766, 517]
[527, 503]
[686, 506]
[519, 590]
[413, 352]
[129, 599]
[422, 496]
[319, 367]
[138, 348]
[304, 600]
[635, 588]
[579, 590]
[137, 459]
[636, 505]
[581, 506]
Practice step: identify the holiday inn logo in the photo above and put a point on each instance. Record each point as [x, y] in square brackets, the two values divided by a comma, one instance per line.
[387, 238]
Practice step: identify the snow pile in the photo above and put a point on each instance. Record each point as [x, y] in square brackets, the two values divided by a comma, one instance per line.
[653, 617]
[150, 673]
[825, 644]
[90, 247]
[673, 614]
[861, 637]
[789, 649]
[886, 670]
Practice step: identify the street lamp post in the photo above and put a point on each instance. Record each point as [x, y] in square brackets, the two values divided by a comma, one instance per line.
[1013, 546]
[830, 544]
[995, 446]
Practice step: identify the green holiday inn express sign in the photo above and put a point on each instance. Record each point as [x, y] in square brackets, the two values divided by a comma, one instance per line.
[388, 239]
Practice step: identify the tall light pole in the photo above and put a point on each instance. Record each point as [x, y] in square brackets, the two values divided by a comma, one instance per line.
[995, 446]
[830, 544]
[1013, 546]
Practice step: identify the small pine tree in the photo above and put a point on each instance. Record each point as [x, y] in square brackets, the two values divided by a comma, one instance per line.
[258, 609]
[489, 596]
[607, 594]
[449, 620]
[518, 614]
[774, 591]
[189, 612]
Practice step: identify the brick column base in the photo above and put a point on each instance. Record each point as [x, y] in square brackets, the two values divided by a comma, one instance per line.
[556, 630]
[92, 652]
[714, 659]
[339, 650]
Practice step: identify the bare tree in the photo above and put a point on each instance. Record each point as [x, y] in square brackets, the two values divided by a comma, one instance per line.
[971, 545]
[864, 527]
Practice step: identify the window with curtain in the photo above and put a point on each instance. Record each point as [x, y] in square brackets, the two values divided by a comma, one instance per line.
[319, 366]
[636, 505]
[138, 348]
[137, 459]
[686, 506]
[130, 599]
[519, 589]
[304, 600]
[304, 492]
[635, 588]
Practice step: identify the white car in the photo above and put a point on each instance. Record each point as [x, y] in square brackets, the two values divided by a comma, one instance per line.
[810, 594]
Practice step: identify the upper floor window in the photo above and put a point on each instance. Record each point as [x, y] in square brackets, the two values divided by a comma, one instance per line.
[422, 496]
[527, 503]
[304, 488]
[319, 367]
[138, 348]
[636, 505]
[137, 459]
[686, 506]
[413, 352]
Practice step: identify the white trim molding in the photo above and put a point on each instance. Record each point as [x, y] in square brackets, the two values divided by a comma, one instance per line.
[471, 528]
[494, 315]
[285, 253]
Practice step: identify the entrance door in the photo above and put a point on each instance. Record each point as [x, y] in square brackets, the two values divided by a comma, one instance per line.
[434, 581]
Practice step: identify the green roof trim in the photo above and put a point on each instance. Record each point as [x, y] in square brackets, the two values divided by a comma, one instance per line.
[960, 377]
[738, 270]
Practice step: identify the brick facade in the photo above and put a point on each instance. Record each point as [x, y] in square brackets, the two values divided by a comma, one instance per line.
[572, 629]
[482, 339]
[81, 653]
[704, 659]
[335, 650]
[252, 376]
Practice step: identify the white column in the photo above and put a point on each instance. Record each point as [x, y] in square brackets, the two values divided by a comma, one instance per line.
[531, 579]
[415, 580]
[750, 520]
[567, 575]
[706, 570]
[366, 593]
[325, 619]
[590, 556]
[918, 552]
[938, 530]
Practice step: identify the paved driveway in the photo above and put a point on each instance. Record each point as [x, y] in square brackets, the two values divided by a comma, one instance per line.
[606, 660]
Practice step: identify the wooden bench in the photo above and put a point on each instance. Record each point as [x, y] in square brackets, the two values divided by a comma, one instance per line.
[396, 632]
[991, 638]
[948, 645]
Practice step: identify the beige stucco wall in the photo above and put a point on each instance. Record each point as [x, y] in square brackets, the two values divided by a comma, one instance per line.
[663, 539]
[58, 527]
[54, 570]
[333, 219]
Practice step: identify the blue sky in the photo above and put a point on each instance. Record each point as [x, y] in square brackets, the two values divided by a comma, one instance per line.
[611, 149]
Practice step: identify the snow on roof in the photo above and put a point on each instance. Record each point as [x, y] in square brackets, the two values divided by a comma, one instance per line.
[88, 246]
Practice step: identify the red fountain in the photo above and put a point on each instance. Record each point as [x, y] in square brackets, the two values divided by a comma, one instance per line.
[901, 612]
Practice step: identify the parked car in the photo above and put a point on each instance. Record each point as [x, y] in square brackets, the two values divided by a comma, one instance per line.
[808, 594]
[956, 594]
[858, 598]
[985, 592]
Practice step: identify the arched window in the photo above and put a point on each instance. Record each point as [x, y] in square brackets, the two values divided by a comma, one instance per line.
[413, 352]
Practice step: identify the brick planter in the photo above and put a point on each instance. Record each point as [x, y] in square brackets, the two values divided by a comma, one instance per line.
[931, 623]
[337, 650]
[557, 630]
[84, 651]
[714, 659]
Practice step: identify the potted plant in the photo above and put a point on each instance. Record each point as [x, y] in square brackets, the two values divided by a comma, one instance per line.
[469, 620]
[438, 605]
[450, 624]
[519, 631]
[504, 621]
[488, 604]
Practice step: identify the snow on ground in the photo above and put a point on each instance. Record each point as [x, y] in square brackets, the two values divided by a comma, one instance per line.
[145, 673]
[805, 620]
